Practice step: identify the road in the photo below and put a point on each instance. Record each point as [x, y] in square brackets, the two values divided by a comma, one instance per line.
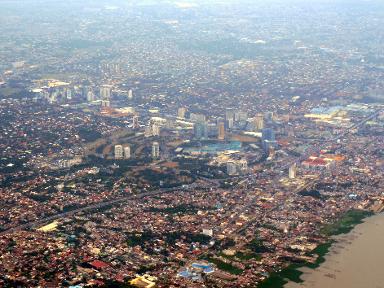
[41, 221]
[251, 179]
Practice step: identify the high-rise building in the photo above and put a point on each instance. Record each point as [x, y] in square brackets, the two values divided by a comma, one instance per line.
[105, 92]
[135, 122]
[155, 129]
[119, 152]
[130, 94]
[268, 145]
[269, 116]
[241, 116]
[68, 93]
[116, 68]
[201, 130]
[236, 167]
[147, 132]
[53, 96]
[292, 171]
[90, 96]
[258, 122]
[229, 115]
[243, 166]
[221, 132]
[290, 131]
[194, 117]
[127, 152]
[268, 134]
[155, 150]
[268, 139]
[181, 112]
[229, 123]
[84, 91]
[105, 103]
[231, 168]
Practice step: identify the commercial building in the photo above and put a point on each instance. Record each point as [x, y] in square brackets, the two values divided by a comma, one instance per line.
[201, 130]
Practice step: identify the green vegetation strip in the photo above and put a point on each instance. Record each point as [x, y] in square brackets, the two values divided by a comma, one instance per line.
[292, 273]
[346, 223]
[227, 267]
[242, 256]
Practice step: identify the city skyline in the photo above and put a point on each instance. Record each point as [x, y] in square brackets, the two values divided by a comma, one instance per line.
[217, 144]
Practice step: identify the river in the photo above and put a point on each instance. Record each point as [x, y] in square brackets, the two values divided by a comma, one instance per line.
[354, 261]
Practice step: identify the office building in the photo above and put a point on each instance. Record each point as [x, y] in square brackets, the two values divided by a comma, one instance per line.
[201, 130]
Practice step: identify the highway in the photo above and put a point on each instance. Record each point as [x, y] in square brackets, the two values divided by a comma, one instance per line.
[41, 221]
[250, 179]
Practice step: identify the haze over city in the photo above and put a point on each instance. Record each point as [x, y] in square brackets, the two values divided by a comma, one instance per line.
[191, 144]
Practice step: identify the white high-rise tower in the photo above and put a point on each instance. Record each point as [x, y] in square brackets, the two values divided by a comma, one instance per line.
[155, 150]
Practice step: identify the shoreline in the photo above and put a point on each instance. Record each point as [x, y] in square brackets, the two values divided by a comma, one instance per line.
[354, 261]
[293, 275]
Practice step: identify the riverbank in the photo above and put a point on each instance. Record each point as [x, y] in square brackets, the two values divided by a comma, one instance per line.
[294, 273]
[354, 261]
